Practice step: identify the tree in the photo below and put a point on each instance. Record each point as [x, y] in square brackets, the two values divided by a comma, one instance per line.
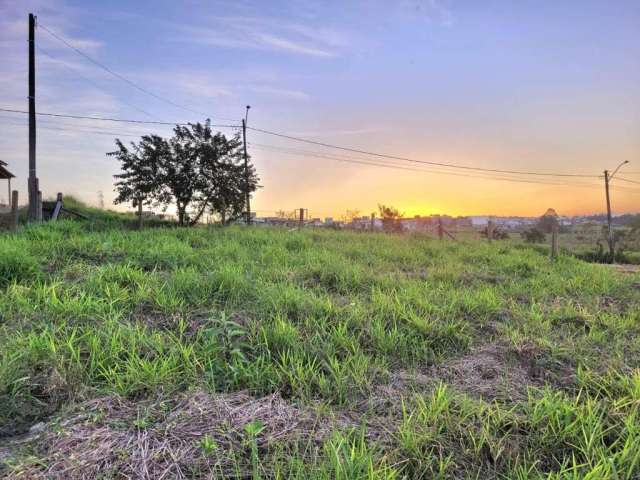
[223, 181]
[350, 215]
[548, 221]
[390, 218]
[140, 180]
[194, 168]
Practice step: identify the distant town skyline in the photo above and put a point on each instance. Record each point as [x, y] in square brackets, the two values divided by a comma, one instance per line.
[545, 86]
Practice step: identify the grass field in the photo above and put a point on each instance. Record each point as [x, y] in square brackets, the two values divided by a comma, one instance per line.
[267, 353]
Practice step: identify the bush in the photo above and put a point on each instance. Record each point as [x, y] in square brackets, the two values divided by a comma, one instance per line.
[16, 265]
[533, 235]
[498, 234]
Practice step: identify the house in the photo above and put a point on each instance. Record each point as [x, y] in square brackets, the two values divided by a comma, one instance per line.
[6, 175]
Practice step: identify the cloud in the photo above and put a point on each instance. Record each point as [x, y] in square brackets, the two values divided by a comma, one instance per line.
[340, 131]
[265, 34]
[283, 44]
[278, 92]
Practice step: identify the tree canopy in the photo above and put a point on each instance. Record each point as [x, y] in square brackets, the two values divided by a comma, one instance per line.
[390, 218]
[197, 170]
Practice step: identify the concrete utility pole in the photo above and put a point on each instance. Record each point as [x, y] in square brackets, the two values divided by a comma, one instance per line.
[607, 178]
[246, 165]
[33, 186]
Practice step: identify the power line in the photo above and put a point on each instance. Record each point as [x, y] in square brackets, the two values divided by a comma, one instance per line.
[627, 180]
[88, 80]
[440, 164]
[81, 130]
[400, 167]
[119, 76]
[394, 165]
[107, 119]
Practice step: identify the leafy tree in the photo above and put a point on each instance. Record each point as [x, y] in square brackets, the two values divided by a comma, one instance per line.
[223, 182]
[194, 168]
[140, 180]
[548, 221]
[350, 215]
[390, 218]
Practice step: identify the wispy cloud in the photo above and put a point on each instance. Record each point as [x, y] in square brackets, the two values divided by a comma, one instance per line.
[280, 43]
[266, 34]
[277, 91]
[340, 131]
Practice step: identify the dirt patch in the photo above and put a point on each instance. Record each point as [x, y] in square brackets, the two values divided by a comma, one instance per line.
[495, 371]
[625, 268]
[192, 435]
[416, 274]
[473, 278]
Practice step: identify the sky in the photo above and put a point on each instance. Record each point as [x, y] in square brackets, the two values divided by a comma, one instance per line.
[542, 86]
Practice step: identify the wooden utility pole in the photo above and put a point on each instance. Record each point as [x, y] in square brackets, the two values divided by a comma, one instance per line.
[609, 227]
[246, 166]
[33, 186]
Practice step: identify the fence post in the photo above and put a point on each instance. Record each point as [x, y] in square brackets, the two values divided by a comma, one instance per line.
[554, 241]
[440, 229]
[373, 221]
[58, 208]
[14, 210]
[39, 206]
[490, 230]
[301, 219]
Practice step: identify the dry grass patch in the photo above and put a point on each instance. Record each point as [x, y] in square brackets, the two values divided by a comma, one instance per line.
[192, 435]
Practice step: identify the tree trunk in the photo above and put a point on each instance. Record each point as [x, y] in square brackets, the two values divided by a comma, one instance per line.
[200, 212]
[181, 214]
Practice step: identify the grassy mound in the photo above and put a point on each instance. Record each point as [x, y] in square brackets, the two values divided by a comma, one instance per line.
[310, 354]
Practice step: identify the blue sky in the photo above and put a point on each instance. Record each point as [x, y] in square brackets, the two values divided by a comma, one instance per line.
[536, 85]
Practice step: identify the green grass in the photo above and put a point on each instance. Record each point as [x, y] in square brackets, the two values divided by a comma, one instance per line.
[327, 319]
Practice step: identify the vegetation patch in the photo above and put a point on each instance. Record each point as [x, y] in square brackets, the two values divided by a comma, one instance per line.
[268, 353]
[192, 434]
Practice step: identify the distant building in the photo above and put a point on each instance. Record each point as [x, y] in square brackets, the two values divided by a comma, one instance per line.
[479, 221]
[6, 175]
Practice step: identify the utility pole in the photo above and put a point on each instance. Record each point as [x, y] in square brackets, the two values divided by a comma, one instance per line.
[33, 186]
[609, 227]
[246, 166]
[610, 240]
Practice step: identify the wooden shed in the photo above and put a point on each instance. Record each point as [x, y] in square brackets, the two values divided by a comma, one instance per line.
[6, 175]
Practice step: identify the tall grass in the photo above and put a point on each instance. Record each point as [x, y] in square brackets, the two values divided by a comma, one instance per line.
[326, 319]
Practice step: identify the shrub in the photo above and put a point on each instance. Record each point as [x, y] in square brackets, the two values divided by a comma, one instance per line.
[16, 265]
[533, 235]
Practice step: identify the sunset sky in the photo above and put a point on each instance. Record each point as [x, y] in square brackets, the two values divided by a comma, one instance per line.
[544, 86]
